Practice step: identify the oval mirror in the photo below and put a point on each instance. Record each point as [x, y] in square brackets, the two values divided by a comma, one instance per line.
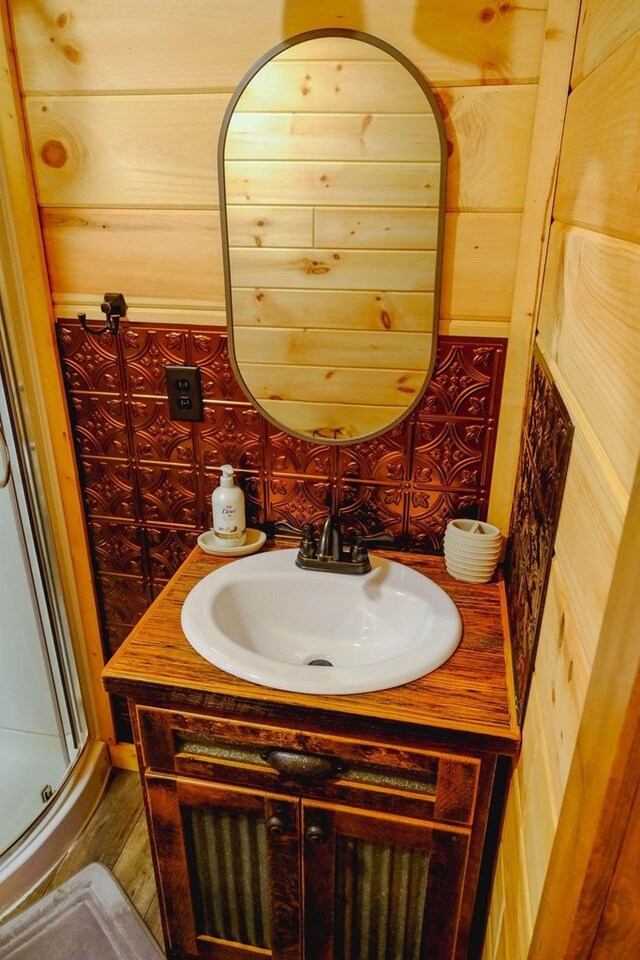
[332, 179]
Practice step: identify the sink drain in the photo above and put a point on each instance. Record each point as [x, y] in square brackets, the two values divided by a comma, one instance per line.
[319, 662]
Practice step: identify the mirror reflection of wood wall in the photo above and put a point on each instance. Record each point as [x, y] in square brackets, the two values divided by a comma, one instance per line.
[332, 177]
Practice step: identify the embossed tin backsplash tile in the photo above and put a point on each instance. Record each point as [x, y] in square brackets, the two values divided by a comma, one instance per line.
[542, 469]
[147, 480]
[88, 363]
[147, 352]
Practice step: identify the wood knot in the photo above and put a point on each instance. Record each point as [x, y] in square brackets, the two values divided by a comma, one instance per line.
[54, 154]
[62, 20]
[72, 53]
[487, 15]
[444, 100]
[315, 266]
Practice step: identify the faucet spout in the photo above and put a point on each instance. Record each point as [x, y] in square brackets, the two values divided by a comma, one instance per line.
[330, 557]
[330, 542]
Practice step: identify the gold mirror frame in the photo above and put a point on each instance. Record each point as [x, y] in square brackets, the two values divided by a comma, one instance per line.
[319, 436]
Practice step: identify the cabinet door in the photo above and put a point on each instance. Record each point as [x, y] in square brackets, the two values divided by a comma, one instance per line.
[380, 888]
[228, 865]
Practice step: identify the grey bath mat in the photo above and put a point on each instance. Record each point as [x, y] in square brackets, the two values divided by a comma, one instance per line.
[87, 918]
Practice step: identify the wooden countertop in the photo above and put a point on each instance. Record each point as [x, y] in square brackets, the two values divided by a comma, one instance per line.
[468, 700]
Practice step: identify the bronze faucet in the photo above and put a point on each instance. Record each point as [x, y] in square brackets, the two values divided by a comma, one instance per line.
[329, 554]
[330, 543]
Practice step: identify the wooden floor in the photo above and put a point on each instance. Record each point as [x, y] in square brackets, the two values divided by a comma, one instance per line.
[117, 837]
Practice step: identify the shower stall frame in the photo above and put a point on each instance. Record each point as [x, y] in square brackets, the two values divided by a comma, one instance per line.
[54, 511]
[82, 761]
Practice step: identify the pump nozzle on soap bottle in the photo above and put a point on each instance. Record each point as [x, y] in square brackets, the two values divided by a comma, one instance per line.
[227, 507]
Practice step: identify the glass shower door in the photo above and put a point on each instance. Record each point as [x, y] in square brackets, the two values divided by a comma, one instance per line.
[37, 742]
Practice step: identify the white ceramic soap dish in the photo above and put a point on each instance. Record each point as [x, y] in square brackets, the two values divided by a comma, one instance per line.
[254, 541]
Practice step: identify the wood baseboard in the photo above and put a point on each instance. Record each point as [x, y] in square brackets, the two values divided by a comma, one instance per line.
[123, 756]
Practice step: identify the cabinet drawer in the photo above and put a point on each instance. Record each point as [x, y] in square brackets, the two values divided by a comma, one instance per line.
[405, 781]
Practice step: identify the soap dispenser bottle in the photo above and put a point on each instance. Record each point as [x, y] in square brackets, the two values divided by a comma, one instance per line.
[227, 504]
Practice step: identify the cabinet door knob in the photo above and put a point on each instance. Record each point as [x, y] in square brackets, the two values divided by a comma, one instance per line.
[275, 827]
[315, 834]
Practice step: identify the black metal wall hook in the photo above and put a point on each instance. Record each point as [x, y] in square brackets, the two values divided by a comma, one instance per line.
[114, 307]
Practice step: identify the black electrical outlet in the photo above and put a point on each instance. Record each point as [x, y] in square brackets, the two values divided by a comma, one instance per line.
[184, 390]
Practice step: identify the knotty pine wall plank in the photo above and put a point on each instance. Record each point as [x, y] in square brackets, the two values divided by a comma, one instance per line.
[539, 812]
[175, 258]
[160, 150]
[561, 680]
[211, 44]
[598, 177]
[605, 25]
[589, 326]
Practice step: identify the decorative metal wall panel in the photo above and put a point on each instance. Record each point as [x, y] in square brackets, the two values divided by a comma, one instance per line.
[147, 480]
[542, 469]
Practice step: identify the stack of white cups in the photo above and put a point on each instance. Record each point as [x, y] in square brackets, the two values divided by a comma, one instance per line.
[472, 550]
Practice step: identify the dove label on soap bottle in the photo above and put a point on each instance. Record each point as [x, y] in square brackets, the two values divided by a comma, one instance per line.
[227, 504]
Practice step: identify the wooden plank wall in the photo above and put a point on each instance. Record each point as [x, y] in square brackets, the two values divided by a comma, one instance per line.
[589, 333]
[123, 138]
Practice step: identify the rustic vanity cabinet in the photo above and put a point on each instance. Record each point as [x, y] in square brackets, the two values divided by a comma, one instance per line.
[361, 845]
[335, 828]
[242, 872]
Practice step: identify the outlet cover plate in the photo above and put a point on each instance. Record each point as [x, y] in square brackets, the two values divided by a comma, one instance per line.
[184, 391]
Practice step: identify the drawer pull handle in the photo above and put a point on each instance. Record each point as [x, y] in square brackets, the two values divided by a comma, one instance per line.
[301, 766]
[315, 835]
[275, 827]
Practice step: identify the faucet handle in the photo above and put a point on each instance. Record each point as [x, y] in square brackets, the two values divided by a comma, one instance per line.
[308, 542]
[359, 552]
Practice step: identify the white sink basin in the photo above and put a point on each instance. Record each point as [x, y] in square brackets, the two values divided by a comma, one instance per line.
[263, 619]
